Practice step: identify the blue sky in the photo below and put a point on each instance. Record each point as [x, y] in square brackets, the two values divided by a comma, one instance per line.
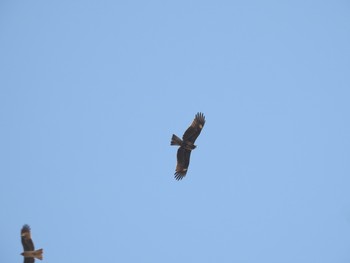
[91, 92]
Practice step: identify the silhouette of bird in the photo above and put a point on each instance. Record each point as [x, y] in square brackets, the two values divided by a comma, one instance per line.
[187, 145]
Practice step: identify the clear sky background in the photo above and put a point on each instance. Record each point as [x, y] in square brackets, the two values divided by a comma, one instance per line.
[91, 92]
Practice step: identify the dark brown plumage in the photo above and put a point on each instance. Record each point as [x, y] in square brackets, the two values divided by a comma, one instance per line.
[28, 246]
[187, 145]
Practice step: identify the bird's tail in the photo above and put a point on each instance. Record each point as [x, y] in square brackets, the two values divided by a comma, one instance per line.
[39, 254]
[175, 140]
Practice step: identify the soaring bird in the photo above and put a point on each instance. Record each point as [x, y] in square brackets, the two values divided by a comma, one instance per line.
[29, 253]
[187, 145]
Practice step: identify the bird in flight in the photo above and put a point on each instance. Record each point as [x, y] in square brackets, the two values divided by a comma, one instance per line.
[29, 254]
[187, 145]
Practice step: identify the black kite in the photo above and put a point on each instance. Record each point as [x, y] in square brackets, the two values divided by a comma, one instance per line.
[187, 145]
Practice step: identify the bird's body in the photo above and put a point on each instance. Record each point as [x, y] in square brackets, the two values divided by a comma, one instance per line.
[29, 254]
[187, 145]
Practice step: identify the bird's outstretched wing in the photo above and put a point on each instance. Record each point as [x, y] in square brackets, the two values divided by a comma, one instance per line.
[183, 160]
[28, 260]
[26, 239]
[195, 129]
